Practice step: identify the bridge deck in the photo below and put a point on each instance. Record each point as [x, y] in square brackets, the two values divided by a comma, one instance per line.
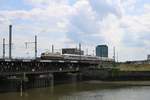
[32, 66]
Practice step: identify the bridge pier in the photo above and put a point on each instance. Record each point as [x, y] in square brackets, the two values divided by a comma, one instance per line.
[51, 81]
[80, 77]
[41, 80]
[73, 77]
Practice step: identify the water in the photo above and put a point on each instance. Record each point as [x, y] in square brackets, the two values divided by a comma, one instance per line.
[82, 91]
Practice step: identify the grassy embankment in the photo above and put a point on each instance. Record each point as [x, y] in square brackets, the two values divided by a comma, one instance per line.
[133, 67]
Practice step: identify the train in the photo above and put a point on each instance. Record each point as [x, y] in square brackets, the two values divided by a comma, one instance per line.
[58, 56]
[51, 56]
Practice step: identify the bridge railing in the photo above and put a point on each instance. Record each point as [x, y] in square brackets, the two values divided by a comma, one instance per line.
[34, 67]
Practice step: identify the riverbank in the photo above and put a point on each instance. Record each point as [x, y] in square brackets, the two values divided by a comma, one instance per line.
[120, 83]
[133, 67]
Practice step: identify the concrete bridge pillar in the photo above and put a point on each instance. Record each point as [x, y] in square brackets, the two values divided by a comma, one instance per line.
[73, 77]
[80, 77]
[51, 80]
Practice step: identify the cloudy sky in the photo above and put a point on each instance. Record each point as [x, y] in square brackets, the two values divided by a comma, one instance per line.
[124, 24]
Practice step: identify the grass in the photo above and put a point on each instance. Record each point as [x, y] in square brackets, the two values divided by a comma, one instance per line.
[133, 67]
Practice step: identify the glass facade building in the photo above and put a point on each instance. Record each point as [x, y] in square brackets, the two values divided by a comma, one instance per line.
[102, 51]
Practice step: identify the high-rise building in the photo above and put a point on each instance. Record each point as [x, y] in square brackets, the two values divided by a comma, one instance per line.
[102, 51]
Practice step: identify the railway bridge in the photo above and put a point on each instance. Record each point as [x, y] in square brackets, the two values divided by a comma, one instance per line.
[35, 66]
[33, 73]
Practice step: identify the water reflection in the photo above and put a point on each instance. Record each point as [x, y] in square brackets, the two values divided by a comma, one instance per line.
[82, 91]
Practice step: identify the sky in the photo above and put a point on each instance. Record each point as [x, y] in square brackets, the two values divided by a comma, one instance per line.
[123, 24]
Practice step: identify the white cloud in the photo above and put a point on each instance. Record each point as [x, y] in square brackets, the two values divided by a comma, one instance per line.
[46, 3]
[88, 21]
[49, 24]
[146, 8]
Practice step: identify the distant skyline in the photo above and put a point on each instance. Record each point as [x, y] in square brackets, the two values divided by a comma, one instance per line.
[124, 24]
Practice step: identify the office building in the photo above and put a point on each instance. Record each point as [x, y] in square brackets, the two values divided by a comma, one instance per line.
[102, 51]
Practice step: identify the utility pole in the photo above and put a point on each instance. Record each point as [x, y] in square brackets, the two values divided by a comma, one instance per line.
[80, 50]
[52, 48]
[35, 45]
[93, 52]
[10, 41]
[114, 55]
[87, 51]
[117, 56]
[3, 48]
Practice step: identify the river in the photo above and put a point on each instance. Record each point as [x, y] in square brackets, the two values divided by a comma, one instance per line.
[82, 91]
